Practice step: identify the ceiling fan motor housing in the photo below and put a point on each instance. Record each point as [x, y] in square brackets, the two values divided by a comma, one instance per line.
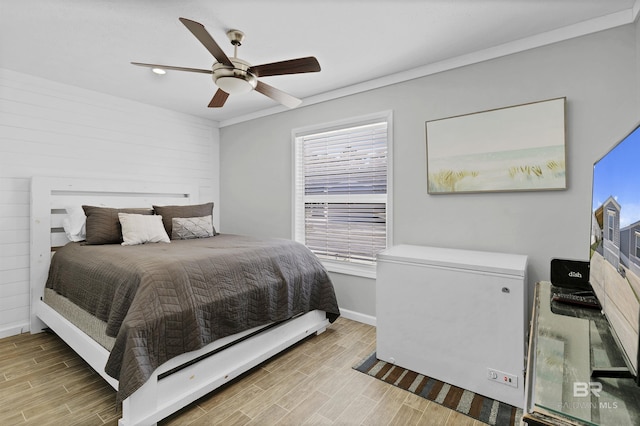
[234, 80]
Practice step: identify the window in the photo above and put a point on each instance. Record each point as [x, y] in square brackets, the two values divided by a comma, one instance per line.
[610, 224]
[637, 244]
[341, 209]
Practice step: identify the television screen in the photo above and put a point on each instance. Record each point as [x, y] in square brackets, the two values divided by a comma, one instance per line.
[615, 242]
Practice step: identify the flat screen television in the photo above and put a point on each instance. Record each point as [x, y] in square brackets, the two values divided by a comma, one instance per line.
[615, 242]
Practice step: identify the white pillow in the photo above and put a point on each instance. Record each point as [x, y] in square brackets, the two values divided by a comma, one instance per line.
[74, 224]
[140, 229]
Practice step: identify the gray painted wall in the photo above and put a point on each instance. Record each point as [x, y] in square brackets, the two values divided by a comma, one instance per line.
[597, 75]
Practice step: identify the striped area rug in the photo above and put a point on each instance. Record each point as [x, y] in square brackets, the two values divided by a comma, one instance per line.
[481, 408]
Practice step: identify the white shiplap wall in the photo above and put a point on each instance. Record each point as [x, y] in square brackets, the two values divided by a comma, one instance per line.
[52, 129]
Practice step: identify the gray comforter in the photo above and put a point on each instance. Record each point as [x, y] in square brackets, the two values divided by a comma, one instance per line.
[162, 300]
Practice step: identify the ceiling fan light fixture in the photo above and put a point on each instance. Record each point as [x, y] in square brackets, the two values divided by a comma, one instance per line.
[234, 80]
[234, 85]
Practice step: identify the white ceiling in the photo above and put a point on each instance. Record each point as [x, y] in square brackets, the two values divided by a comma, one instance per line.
[360, 44]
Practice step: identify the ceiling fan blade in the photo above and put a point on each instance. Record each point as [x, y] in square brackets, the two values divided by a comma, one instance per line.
[278, 95]
[169, 67]
[218, 99]
[198, 30]
[292, 66]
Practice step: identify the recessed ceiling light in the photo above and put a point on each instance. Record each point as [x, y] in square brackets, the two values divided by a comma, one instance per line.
[158, 71]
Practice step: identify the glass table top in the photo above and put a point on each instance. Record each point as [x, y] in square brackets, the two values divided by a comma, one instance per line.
[570, 343]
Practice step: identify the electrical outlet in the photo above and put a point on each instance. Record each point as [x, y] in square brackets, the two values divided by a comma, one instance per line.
[502, 377]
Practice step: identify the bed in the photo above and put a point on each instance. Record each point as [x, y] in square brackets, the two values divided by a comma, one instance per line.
[172, 321]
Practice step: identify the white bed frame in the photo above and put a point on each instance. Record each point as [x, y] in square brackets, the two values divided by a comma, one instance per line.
[181, 380]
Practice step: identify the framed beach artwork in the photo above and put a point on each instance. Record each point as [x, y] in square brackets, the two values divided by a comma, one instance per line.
[517, 148]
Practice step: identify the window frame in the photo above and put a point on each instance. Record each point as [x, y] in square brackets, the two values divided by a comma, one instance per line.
[297, 225]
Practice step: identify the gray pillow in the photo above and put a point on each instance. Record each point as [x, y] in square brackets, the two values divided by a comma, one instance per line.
[193, 210]
[103, 224]
[186, 228]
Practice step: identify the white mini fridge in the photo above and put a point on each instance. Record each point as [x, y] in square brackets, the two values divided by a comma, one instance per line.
[458, 316]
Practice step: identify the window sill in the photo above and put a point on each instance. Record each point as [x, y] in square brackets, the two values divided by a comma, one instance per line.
[366, 271]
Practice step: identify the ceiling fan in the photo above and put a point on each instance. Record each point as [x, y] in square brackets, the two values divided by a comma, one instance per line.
[234, 75]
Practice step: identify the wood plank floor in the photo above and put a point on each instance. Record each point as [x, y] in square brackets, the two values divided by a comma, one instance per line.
[42, 382]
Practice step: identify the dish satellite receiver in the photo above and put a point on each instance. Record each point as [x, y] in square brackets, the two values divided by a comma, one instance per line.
[570, 274]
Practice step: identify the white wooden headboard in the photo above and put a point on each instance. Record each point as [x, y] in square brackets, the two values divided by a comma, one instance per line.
[50, 196]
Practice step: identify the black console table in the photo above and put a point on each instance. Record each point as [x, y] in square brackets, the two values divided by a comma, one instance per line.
[566, 345]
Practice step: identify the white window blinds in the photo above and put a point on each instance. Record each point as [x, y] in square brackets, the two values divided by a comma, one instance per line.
[341, 188]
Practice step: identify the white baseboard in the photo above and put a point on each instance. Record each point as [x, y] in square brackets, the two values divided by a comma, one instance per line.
[14, 329]
[357, 316]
